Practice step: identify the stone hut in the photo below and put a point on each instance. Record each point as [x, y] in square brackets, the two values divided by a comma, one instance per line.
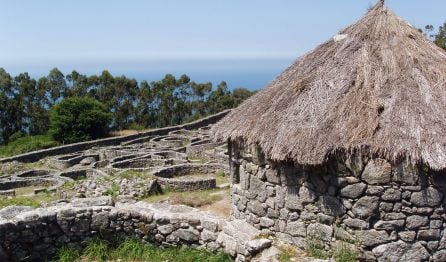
[349, 142]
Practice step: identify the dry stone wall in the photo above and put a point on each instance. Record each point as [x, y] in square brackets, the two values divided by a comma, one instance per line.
[392, 213]
[35, 234]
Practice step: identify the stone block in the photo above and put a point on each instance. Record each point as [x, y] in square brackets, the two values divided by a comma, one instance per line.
[429, 197]
[331, 206]
[391, 195]
[266, 222]
[405, 173]
[407, 236]
[429, 235]
[416, 221]
[272, 176]
[257, 208]
[188, 235]
[307, 195]
[401, 251]
[320, 231]
[371, 238]
[375, 190]
[296, 229]
[356, 224]
[389, 225]
[353, 191]
[366, 207]
[377, 172]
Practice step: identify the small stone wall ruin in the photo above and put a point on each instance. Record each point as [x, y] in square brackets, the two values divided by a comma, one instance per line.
[28, 234]
[391, 213]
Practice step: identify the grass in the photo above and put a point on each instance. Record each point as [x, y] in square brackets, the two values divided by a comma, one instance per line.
[133, 250]
[96, 250]
[72, 184]
[287, 253]
[113, 191]
[345, 253]
[192, 199]
[200, 160]
[132, 174]
[66, 254]
[221, 177]
[343, 250]
[27, 144]
[33, 201]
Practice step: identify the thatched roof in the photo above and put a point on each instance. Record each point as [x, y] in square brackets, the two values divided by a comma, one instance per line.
[378, 87]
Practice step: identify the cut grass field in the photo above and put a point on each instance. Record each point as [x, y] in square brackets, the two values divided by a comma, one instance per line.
[27, 144]
[134, 250]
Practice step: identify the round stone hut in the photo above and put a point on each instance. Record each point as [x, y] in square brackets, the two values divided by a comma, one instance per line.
[349, 142]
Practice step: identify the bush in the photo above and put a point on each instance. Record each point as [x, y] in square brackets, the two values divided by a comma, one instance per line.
[79, 119]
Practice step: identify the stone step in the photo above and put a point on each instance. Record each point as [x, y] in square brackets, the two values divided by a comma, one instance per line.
[240, 239]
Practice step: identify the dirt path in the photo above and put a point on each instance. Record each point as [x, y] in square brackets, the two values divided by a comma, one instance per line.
[220, 208]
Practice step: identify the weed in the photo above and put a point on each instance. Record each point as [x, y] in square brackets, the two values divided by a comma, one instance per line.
[134, 250]
[287, 253]
[67, 254]
[113, 191]
[96, 250]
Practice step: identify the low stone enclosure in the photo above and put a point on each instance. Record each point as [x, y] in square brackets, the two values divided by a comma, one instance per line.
[391, 213]
[97, 192]
[28, 234]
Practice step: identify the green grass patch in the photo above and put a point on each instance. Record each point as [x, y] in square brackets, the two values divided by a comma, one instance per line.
[113, 191]
[133, 250]
[192, 199]
[27, 144]
[67, 254]
[33, 201]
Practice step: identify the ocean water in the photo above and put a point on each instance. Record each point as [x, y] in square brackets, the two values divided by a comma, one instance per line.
[250, 74]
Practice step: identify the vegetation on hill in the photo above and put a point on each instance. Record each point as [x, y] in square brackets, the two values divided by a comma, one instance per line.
[30, 107]
[78, 119]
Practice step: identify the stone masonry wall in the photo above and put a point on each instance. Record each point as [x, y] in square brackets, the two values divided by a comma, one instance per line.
[392, 213]
[28, 234]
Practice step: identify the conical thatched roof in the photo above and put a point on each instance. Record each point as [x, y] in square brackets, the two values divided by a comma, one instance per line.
[378, 87]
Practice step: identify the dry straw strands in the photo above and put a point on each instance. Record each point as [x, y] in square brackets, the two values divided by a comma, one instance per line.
[378, 88]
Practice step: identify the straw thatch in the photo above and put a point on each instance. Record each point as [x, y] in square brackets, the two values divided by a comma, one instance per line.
[378, 87]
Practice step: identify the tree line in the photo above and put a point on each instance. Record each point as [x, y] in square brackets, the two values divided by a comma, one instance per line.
[26, 103]
[438, 37]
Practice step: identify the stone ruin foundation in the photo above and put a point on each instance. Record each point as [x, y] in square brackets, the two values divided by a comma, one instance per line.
[388, 212]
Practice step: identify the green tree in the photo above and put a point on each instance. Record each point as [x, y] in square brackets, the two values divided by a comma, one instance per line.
[7, 121]
[79, 119]
[439, 38]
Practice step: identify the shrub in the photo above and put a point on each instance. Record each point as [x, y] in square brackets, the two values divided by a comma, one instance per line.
[79, 119]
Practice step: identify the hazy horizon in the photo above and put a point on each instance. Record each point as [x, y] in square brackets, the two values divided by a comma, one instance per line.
[246, 43]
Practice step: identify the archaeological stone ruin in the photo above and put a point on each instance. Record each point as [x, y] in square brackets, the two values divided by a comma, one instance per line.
[347, 146]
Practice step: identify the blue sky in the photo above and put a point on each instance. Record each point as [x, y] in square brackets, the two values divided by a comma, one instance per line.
[140, 35]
